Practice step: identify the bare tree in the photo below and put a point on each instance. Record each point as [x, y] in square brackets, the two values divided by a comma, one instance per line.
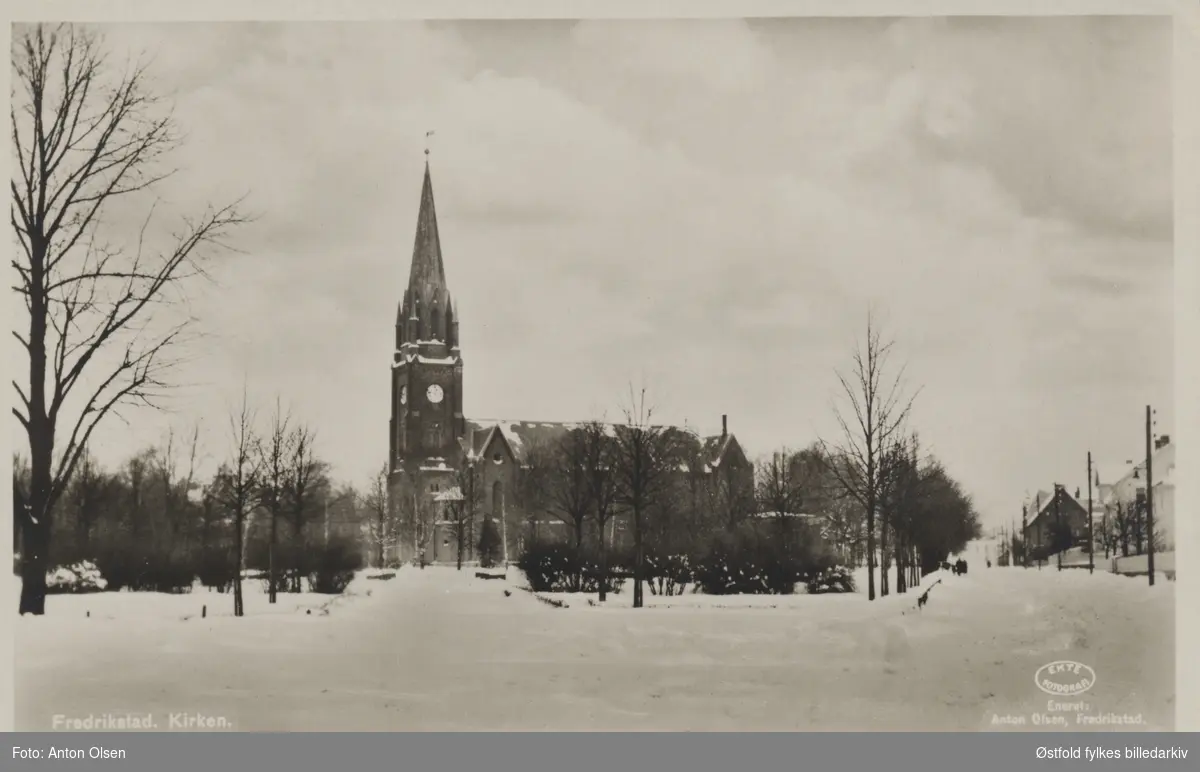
[600, 462]
[87, 486]
[242, 488]
[570, 493]
[463, 504]
[274, 456]
[304, 478]
[878, 412]
[176, 484]
[646, 461]
[899, 508]
[87, 133]
[382, 528]
[419, 512]
[533, 483]
[779, 494]
[137, 469]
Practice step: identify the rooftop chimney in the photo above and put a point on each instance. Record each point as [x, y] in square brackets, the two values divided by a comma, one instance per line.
[724, 426]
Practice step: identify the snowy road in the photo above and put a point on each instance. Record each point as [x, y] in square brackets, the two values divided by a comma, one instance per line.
[437, 650]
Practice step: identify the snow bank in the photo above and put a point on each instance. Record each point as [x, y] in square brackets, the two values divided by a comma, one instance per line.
[440, 650]
[1164, 563]
[146, 606]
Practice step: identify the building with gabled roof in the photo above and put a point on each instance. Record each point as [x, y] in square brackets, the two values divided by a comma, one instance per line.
[1044, 509]
[430, 438]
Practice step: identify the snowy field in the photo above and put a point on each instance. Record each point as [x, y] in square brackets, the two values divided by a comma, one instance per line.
[443, 650]
[149, 607]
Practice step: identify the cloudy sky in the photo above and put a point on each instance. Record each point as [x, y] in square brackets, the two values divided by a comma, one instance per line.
[708, 207]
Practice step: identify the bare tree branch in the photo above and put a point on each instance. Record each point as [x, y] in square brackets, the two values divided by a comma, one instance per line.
[85, 134]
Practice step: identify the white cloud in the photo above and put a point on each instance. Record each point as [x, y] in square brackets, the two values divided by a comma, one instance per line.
[699, 202]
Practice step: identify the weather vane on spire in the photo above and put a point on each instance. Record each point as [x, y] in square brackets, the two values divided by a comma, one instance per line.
[428, 134]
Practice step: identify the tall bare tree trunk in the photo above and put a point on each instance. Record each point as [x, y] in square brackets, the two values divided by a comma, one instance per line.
[885, 556]
[638, 557]
[272, 580]
[238, 608]
[35, 520]
[579, 556]
[603, 566]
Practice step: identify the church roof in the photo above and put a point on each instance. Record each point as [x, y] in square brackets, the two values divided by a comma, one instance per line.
[427, 277]
[523, 435]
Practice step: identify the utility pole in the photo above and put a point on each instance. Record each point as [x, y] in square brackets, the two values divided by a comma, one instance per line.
[1091, 533]
[1058, 520]
[1149, 494]
[1025, 535]
[1104, 523]
[1037, 514]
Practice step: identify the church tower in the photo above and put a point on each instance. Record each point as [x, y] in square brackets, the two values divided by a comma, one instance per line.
[427, 405]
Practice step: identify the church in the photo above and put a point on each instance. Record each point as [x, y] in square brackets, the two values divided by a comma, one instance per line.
[430, 438]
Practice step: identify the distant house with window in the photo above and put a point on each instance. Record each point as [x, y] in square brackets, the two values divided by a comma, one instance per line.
[1046, 509]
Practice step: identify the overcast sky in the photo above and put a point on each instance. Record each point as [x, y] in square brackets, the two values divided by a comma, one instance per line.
[706, 207]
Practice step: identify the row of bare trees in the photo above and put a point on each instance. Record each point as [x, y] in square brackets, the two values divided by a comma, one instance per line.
[1126, 529]
[155, 524]
[275, 472]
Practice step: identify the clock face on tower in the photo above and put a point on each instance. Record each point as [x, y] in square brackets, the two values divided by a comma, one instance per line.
[434, 393]
[403, 395]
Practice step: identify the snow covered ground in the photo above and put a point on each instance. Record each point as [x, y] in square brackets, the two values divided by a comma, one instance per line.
[156, 606]
[443, 650]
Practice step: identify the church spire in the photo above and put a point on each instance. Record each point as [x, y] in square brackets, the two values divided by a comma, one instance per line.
[427, 277]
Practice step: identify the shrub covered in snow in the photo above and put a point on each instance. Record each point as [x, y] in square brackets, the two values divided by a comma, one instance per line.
[833, 579]
[557, 567]
[334, 565]
[668, 574]
[78, 578]
[745, 563]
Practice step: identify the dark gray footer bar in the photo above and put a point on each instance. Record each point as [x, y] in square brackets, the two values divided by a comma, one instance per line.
[204, 752]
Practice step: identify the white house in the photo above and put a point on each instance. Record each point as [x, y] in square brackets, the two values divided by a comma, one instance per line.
[1163, 470]
[1127, 489]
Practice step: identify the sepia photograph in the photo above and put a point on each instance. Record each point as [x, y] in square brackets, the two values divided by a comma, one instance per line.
[741, 374]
